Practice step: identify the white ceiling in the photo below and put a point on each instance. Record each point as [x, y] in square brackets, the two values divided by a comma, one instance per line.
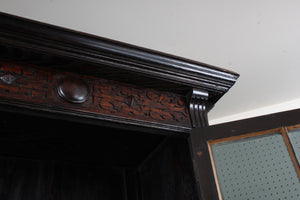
[259, 39]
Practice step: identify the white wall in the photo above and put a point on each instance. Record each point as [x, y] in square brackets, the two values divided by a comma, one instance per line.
[285, 106]
[258, 39]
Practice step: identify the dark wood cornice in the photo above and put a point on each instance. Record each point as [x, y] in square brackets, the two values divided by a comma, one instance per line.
[40, 44]
[38, 36]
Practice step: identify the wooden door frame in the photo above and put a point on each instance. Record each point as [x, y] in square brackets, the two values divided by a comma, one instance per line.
[200, 150]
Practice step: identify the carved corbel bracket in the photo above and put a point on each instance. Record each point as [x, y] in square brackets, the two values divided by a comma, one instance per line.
[198, 108]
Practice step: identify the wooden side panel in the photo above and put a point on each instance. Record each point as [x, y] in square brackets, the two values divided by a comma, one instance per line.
[168, 174]
[35, 87]
[49, 180]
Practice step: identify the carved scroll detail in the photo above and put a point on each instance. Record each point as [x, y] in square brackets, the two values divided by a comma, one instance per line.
[198, 108]
[145, 104]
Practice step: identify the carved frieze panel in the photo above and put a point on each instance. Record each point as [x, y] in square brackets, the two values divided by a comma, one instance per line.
[37, 86]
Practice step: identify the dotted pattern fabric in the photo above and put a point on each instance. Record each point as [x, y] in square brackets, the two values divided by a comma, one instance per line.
[295, 140]
[256, 168]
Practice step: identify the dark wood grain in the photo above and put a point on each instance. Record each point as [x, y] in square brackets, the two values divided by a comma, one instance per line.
[36, 87]
[250, 125]
[202, 167]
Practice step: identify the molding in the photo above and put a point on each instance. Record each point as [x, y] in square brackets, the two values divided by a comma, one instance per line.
[52, 47]
[198, 107]
[85, 117]
[23, 33]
